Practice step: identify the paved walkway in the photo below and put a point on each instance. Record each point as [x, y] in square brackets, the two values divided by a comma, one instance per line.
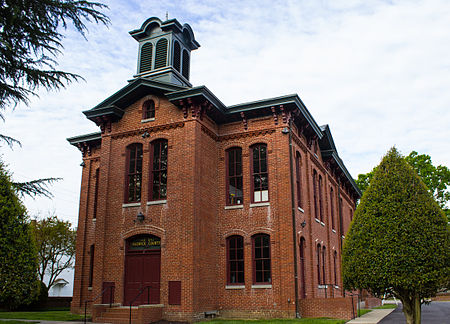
[372, 317]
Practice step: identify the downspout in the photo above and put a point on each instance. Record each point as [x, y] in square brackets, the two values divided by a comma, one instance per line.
[340, 227]
[294, 227]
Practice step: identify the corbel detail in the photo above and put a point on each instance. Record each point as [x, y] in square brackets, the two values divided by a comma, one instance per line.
[244, 120]
[184, 108]
[274, 114]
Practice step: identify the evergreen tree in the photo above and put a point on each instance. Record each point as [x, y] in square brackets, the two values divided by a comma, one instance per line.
[436, 178]
[18, 256]
[398, 241]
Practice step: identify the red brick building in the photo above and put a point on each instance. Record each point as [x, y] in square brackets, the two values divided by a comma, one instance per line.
[195, 208]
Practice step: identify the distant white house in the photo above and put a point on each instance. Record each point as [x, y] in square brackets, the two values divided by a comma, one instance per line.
[63, 286]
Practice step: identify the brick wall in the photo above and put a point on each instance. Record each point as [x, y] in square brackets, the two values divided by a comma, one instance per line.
[193, 223]
[343, 307]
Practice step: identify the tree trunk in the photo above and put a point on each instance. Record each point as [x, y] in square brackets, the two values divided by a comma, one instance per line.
[417, 310]
[412, 309]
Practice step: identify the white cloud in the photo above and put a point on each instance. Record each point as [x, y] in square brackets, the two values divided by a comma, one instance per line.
[376, 71]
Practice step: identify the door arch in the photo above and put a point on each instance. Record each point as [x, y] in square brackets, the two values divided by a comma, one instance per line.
[142, 269]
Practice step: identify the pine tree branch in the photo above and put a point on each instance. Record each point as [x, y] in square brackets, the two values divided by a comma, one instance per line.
[35, 187]
[9, 140]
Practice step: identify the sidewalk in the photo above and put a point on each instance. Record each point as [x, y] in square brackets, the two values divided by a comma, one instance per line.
[372, 317]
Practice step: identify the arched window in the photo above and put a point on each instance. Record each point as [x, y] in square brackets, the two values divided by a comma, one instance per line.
[146, 57]
[235, 260]
[134, 173]
[335, 267]
[234, 176]
[332, 207]
[318, 250]
[316, 209]
[97, 181]
[185, 64]
[298, 165]
[161, 53]
[177, 56]
[260, 175]
[148, 109]
[323, 265]
[158, 167]
[91, 265]
[262, 273]
[302, 268]
[320, 198]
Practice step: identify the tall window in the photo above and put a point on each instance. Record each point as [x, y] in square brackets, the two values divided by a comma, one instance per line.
[262, 273]
[341, 221]
[91, 265]
[260, 177]
[351, 214]
[158, 175]
[335, 267]
[316, 209]
[146, 57]
[148, 109]
[235, 260]
[97, 181]
[318, 250]
[185, 71]
[302, 268]
[134, 173]
[320, 198]
[332, 207]
[161, 53]
[323, 265]
[234, 176]
[298, 165]
[177, 56]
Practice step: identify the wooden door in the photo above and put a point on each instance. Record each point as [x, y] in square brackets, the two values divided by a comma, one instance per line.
[142, 269]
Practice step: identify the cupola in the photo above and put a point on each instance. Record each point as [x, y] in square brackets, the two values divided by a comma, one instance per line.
[165, 51]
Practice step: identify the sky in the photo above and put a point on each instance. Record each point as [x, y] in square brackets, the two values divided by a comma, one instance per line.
[377, 72]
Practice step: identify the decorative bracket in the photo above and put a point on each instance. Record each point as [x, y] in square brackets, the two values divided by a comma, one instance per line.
[274, 114]
[244, 120]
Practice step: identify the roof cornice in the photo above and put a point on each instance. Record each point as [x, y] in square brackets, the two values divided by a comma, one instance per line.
[91, 137]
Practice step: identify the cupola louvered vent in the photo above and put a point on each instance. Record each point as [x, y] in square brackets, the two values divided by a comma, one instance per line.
[146, 57]
[185, 64]
[177, 56]
[161, 53]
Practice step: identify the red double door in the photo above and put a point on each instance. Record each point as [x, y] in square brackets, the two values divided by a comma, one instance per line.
[142, 270]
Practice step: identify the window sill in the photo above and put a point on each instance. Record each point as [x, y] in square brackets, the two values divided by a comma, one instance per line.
[138, 204]
[322, 286]
[235, 287]
[89, 288]
[157, 202]
[262, 286]
[234, 207]
[336, 287]
[322, 223]
[147, 120]
[318, 221]
[334, 231]
[261, 204]
[301, 209]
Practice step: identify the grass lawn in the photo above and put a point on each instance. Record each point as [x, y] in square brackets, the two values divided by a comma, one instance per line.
[280, 321]
[361, 312]
[386, 306]
[44, 316]
[17, 322]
